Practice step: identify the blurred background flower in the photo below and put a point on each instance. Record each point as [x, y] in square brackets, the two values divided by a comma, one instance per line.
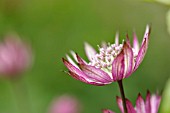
[65, 104]
[54, 27]
[15, 56]
[15, 59]
[107, 111]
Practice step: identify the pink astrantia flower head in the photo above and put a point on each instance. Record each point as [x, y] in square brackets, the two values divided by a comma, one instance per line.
[112, 63]
[65, 104]
[15, 56]
[150, 105]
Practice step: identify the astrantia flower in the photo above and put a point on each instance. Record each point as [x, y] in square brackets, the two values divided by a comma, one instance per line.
[150, 105]
[65, 104]
[15, 56]
[113, 62]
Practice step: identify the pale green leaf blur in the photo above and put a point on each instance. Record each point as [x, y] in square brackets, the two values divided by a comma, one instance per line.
[166, 2]
[54, 27]
[168, 21]
[166, 99]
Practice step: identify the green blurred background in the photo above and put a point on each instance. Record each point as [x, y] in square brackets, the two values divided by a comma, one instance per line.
[54, 27]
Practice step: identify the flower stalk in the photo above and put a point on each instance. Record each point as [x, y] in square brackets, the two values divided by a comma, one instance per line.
[20, 95]
[122, 95]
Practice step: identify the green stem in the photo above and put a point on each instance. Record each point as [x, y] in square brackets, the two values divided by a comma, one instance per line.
[122, 95]
[20, 94]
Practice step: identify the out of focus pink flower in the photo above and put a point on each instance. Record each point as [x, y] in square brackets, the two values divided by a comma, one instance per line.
[107, 111]
[65, 104]
[15, 56]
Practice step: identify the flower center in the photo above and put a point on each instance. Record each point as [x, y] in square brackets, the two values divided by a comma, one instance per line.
[105, 57]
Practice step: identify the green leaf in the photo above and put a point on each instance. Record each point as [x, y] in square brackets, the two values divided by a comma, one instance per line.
[166, 2]
[165, 103]
[168, 21]
[149, 0]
